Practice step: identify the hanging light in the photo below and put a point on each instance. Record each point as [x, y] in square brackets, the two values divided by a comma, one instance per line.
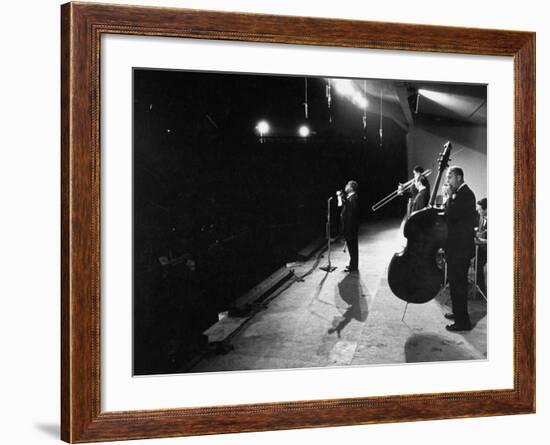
[304, 131]
[305, 99]
[365, 110]
[263, 128]
[381, 131]
[328, 94]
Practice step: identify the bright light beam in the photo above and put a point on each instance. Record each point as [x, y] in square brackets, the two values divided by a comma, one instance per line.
[359, 100]
[344, 87]
[347, 88]
[455, 102]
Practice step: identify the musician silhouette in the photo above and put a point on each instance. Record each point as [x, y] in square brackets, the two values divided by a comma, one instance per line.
[350, 224]
[461, 220]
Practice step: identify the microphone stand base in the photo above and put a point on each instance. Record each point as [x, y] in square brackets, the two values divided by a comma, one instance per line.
[328, 268]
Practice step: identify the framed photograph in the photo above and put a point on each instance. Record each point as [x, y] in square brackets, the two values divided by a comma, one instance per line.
[274, 222]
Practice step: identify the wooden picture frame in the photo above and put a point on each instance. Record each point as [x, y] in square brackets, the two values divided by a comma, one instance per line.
[82, 25]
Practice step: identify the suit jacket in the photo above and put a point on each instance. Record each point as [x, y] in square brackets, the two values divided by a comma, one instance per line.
[350, 216]
[461, 221]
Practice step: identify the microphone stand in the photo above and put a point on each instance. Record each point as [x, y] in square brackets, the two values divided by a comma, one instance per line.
[329, 267]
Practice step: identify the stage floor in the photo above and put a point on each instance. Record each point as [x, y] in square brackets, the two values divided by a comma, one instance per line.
[339, 319]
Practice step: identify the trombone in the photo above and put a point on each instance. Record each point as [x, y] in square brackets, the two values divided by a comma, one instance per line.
[397, 192]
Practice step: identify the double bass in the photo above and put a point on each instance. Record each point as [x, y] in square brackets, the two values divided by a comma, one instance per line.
[413, 274]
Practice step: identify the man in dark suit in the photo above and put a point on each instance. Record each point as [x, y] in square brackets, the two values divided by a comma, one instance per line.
[460, 248]
[350, 224]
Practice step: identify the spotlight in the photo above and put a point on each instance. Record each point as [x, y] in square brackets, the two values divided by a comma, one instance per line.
[262, 127]
[303, 131]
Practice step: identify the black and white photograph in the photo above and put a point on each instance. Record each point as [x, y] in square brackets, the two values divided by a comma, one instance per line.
[285, 222]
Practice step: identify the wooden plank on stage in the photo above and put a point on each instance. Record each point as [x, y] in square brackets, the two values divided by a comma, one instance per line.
[224, 328]
[261, 289]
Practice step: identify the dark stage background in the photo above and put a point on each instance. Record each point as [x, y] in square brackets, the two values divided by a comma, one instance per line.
[227, 209]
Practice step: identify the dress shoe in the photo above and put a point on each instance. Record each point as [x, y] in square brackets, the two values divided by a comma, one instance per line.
[347, 269]
[449, 316]
[458, 327]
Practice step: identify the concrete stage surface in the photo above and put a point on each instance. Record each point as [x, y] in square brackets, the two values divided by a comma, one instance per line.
[340, 319]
